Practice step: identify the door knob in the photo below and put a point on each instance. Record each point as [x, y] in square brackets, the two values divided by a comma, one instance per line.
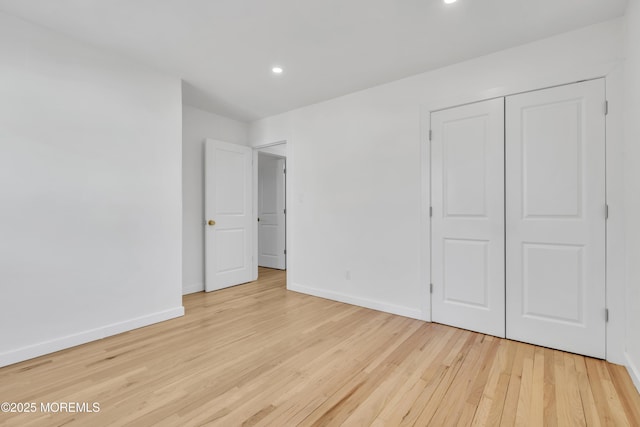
[211, 222]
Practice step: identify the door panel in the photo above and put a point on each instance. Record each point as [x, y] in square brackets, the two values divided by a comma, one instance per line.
[467, 155]
[271, 212]
[468, 285]
[230, 186]
[551, 159]
[464, 167]
[555, 207]
[553, 270]
[228, 202]
[230, 248]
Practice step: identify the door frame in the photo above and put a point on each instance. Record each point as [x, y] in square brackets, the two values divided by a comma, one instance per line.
[614, 142]
[267, 148]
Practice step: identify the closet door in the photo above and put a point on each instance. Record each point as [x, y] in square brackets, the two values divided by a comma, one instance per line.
[555, 216]
[467, 198]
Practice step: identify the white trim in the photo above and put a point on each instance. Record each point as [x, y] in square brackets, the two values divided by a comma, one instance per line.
[633, 370]
[271, 144]
[425, 219]
[47, 347]
[193, 288]
[615, 261]
[254, 190]
[361, 302]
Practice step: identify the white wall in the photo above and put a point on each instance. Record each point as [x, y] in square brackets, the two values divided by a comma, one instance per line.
[90, 171]
[358, 168]
[632, 188]
[197, 125]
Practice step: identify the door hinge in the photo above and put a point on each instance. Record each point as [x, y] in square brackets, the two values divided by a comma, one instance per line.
[606, 314]
[606, 107]
[430, 134]
[284, 170]
[430, 288]
[285, 251]
[285, 211]
[430, 211]
[606, 211]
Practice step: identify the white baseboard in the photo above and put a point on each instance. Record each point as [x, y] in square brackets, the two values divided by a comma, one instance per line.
[46, 347]
[192, 288]
[361, 302]
[633, 370]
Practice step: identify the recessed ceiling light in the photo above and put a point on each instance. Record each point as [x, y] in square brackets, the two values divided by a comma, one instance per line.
[450, 1]
[277, 70]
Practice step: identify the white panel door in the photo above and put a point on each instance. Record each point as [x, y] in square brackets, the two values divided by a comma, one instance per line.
[555, 199]
[228, 215]
[467, 198]
[271, 212]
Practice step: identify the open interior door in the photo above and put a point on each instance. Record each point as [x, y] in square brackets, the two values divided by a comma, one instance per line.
[228, 215]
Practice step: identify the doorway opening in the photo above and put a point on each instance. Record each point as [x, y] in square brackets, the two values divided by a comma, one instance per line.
[271, 207]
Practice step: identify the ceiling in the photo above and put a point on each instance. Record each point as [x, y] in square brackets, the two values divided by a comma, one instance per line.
[224, 49]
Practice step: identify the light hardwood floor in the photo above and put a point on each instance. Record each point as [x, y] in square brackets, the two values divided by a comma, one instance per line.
[257, 354]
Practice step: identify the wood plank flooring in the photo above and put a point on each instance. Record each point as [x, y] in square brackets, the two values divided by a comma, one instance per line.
[257, 354]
